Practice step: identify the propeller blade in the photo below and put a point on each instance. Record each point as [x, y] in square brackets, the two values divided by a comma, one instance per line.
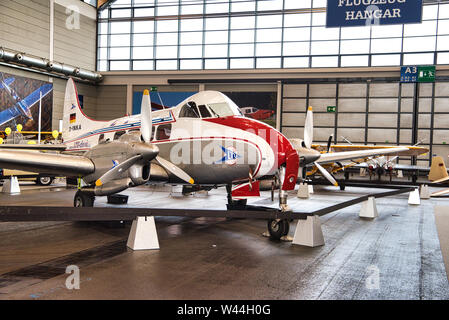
[440, 193]
[308, 129]
[115, 171]
[329, 142]
[175, 170]
[146, 119]
[327, 175]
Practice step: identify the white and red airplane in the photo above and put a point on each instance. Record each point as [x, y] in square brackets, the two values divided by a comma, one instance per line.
[205, 141]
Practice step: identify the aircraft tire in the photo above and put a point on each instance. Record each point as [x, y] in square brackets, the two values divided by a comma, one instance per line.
[44, 181]
[82, 199]
[278, 228]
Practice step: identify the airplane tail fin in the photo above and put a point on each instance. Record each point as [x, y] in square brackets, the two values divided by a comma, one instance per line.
[438, 169]
[74, 120]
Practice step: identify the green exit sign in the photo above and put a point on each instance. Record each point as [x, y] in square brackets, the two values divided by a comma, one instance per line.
[153, 89]
[331, 108]
[426, 74]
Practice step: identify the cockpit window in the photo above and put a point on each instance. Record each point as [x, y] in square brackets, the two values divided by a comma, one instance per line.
[204, 112]
[188, 111]
[221, 109]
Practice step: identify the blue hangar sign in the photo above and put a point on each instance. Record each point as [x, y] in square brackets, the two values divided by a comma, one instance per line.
[348, 13]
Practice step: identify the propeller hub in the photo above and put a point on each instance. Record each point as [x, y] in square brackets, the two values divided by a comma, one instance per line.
[148, 151]
[308, 156]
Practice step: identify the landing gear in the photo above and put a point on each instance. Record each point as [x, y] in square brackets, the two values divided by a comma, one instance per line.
[235, 204]
[44, 181]
[83, 199]
[277, 228]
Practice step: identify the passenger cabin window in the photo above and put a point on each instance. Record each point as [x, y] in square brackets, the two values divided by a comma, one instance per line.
[163, 132]
[101, 138]
[188, 111]
[118, 134]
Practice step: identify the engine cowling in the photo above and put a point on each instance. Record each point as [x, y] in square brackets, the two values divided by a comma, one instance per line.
[139, 174]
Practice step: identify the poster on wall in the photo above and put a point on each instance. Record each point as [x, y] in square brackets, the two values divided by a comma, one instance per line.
[19, 103]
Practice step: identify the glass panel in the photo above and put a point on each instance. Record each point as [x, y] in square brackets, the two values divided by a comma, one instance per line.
[295, 4]
[216, 50]
[191, 52]
[269, 5]
[191, 25]
[241, 36]
[443, 58]
[167, 52]
[191, 64]
[268, 49]
[243, 6]
[167, 25]
[241, 50]
[422, 29]
[216, 37]
[430, 12]
[269, 21]
[268, 63]
[217, 23]
[386, 45]
[221, 7]
[319, 3]
[296, 34]
[103, 41]
[103, 53]
[319, 19]
[386, 60]
[143, 65]
[119, 53]
[143, 39]
[120, 40]
[443, 43]
[191, 37]
[322, 33]
[242, 63]
[269, 35]
[167, 8]
[167, 39]
[302, 62]
[324, 47]
[443, 27]
[418, 58]
[419, 44]
[324, 62]
[354, 61]
[355, 33]
[143, 26]
[144, 12]
[142, 52]
[354, 46]
[443, 11]
[120, 13]
[242, 22]
[120, 27]
[166, 65]
[220, 109]
[102, 65]
[296, 48]
[119, 65]
[387, 31]
[191, 9]
[297, 20]
[216, 64]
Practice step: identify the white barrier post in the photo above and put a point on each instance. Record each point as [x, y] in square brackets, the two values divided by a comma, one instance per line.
[143, 234]
[308, 232]
[369, 209]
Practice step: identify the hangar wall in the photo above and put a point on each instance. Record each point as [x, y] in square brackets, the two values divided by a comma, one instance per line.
[26, 27]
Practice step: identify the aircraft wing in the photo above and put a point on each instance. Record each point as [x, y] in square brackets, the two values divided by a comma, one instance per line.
[35, 95]
[8, 114]
[49, 147]
[410, 151]
[351, 155]
[7, 82]
[50, 163]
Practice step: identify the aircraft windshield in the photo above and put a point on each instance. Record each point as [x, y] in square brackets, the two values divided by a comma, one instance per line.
[221, 109]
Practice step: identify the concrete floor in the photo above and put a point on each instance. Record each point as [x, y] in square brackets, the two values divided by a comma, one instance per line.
[396, 256]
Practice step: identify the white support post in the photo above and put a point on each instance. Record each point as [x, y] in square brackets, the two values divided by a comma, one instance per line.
[176, 191]
[362, 172]
[310, 188]
[400, 174]
[303, 191]
[424, 192]
[308, 232]
[143, 234]
[369, 209]
[11, 185]
[413, 198]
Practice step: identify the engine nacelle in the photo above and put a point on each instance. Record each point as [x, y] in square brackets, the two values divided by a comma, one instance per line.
[139, 174]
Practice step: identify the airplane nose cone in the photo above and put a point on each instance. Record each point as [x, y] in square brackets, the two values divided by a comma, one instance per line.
[308, 156]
